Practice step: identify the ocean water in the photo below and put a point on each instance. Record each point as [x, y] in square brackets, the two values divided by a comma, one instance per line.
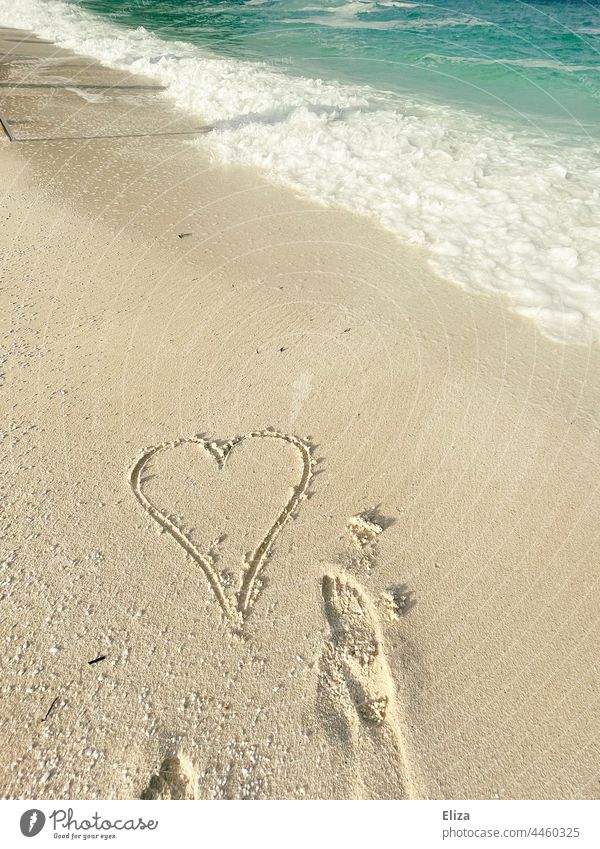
[470, 127]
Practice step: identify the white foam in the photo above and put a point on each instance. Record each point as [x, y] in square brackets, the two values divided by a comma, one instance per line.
[498, 212]
[88, 96]
[354, 14]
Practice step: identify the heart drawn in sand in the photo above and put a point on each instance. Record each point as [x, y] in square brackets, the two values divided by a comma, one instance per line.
[236, 607]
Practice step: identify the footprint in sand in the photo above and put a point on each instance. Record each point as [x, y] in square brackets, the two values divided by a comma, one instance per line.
[364, 530]
[357, 647]
[175, 780]
[355, 674]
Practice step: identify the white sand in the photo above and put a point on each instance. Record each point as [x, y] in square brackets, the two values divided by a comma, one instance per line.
[258, 642]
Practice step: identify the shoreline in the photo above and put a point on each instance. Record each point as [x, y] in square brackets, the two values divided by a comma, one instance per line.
[499, 210]
[150, 295]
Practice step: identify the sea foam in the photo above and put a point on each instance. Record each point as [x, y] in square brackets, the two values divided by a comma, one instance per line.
[499, 211]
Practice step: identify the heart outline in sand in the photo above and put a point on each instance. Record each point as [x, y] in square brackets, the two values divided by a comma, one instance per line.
[245, 597]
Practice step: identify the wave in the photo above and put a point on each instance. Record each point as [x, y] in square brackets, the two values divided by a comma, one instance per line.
[542, 64]
[497, 211]
[346, 16]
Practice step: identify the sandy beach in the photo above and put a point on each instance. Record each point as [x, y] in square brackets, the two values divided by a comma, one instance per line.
[330, 521]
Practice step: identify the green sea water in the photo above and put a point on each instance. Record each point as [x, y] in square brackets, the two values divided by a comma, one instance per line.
[528, 62]
[468, 127]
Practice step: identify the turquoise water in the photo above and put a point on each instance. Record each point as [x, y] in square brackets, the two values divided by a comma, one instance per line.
[469, 128]
[525, 62]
